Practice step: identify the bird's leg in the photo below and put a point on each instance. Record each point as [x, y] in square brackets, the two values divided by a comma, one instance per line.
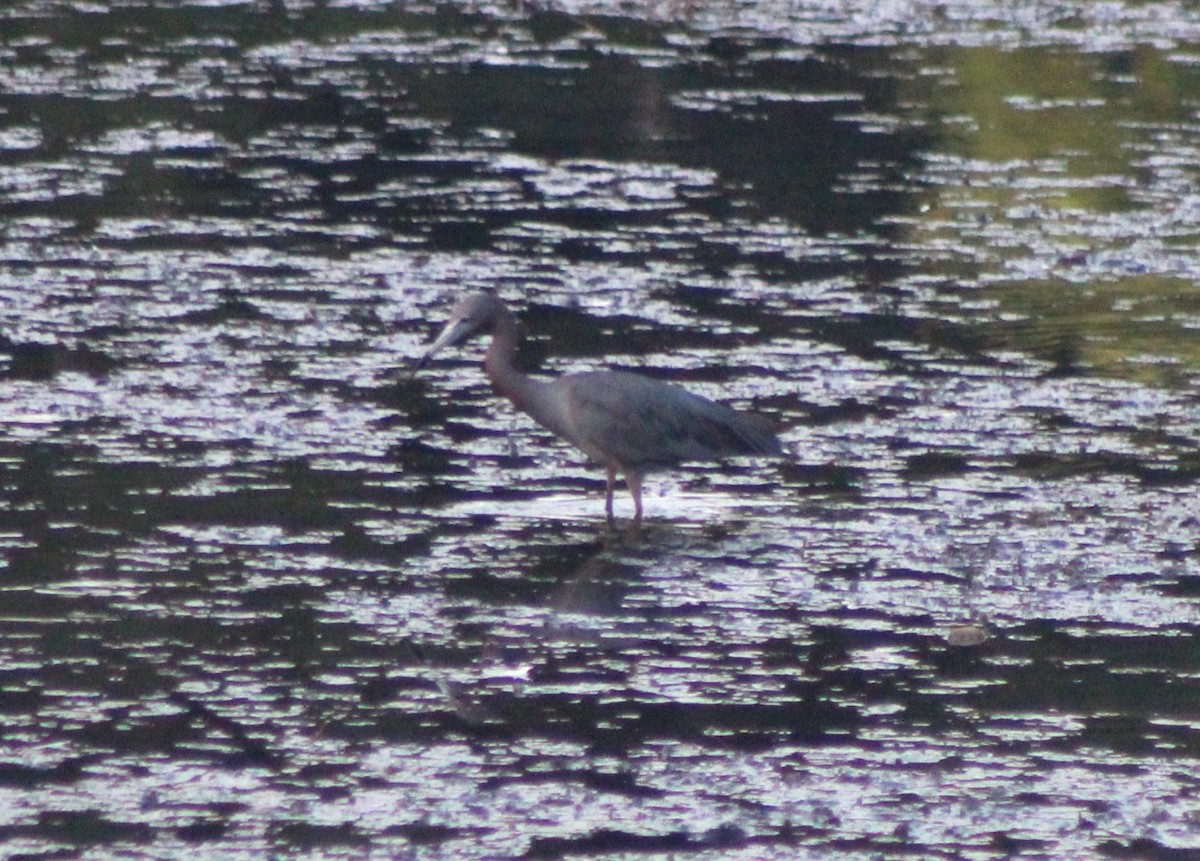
[634, 482]
[608, 498]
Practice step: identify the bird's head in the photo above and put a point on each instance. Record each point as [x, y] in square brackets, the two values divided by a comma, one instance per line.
[472, 315]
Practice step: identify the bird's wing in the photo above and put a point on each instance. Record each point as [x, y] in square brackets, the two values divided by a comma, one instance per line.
[642, 423]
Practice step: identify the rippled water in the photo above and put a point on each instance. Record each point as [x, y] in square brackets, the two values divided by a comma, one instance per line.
[262, 593]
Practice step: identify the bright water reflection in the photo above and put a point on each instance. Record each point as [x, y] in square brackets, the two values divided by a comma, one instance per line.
[262, 593]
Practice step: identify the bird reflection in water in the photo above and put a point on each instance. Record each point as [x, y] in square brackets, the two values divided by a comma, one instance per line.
[585, 608]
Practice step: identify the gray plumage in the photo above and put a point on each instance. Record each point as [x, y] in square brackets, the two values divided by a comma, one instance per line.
[628, 423]
[645, 424]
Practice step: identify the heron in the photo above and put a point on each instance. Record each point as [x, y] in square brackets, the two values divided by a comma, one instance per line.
[628, 423]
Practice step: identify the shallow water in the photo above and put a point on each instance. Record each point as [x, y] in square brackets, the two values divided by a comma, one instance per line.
[262, 593]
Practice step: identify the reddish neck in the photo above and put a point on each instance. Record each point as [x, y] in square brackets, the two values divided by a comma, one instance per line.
[501, 354]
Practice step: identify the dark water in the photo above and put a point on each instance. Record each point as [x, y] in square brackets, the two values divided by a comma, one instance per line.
[263, 595]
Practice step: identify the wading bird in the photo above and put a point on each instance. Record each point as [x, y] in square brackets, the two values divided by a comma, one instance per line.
[626, 422]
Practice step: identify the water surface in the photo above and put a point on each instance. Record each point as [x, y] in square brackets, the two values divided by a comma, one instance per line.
[262, 593]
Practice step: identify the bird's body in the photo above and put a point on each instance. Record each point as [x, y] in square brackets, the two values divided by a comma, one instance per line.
[647, 425]
[627, 422]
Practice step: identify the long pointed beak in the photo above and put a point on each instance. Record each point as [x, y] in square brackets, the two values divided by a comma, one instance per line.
[454, 332]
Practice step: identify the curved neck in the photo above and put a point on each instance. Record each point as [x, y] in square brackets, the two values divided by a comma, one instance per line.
[544, 402]
[501, 355]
